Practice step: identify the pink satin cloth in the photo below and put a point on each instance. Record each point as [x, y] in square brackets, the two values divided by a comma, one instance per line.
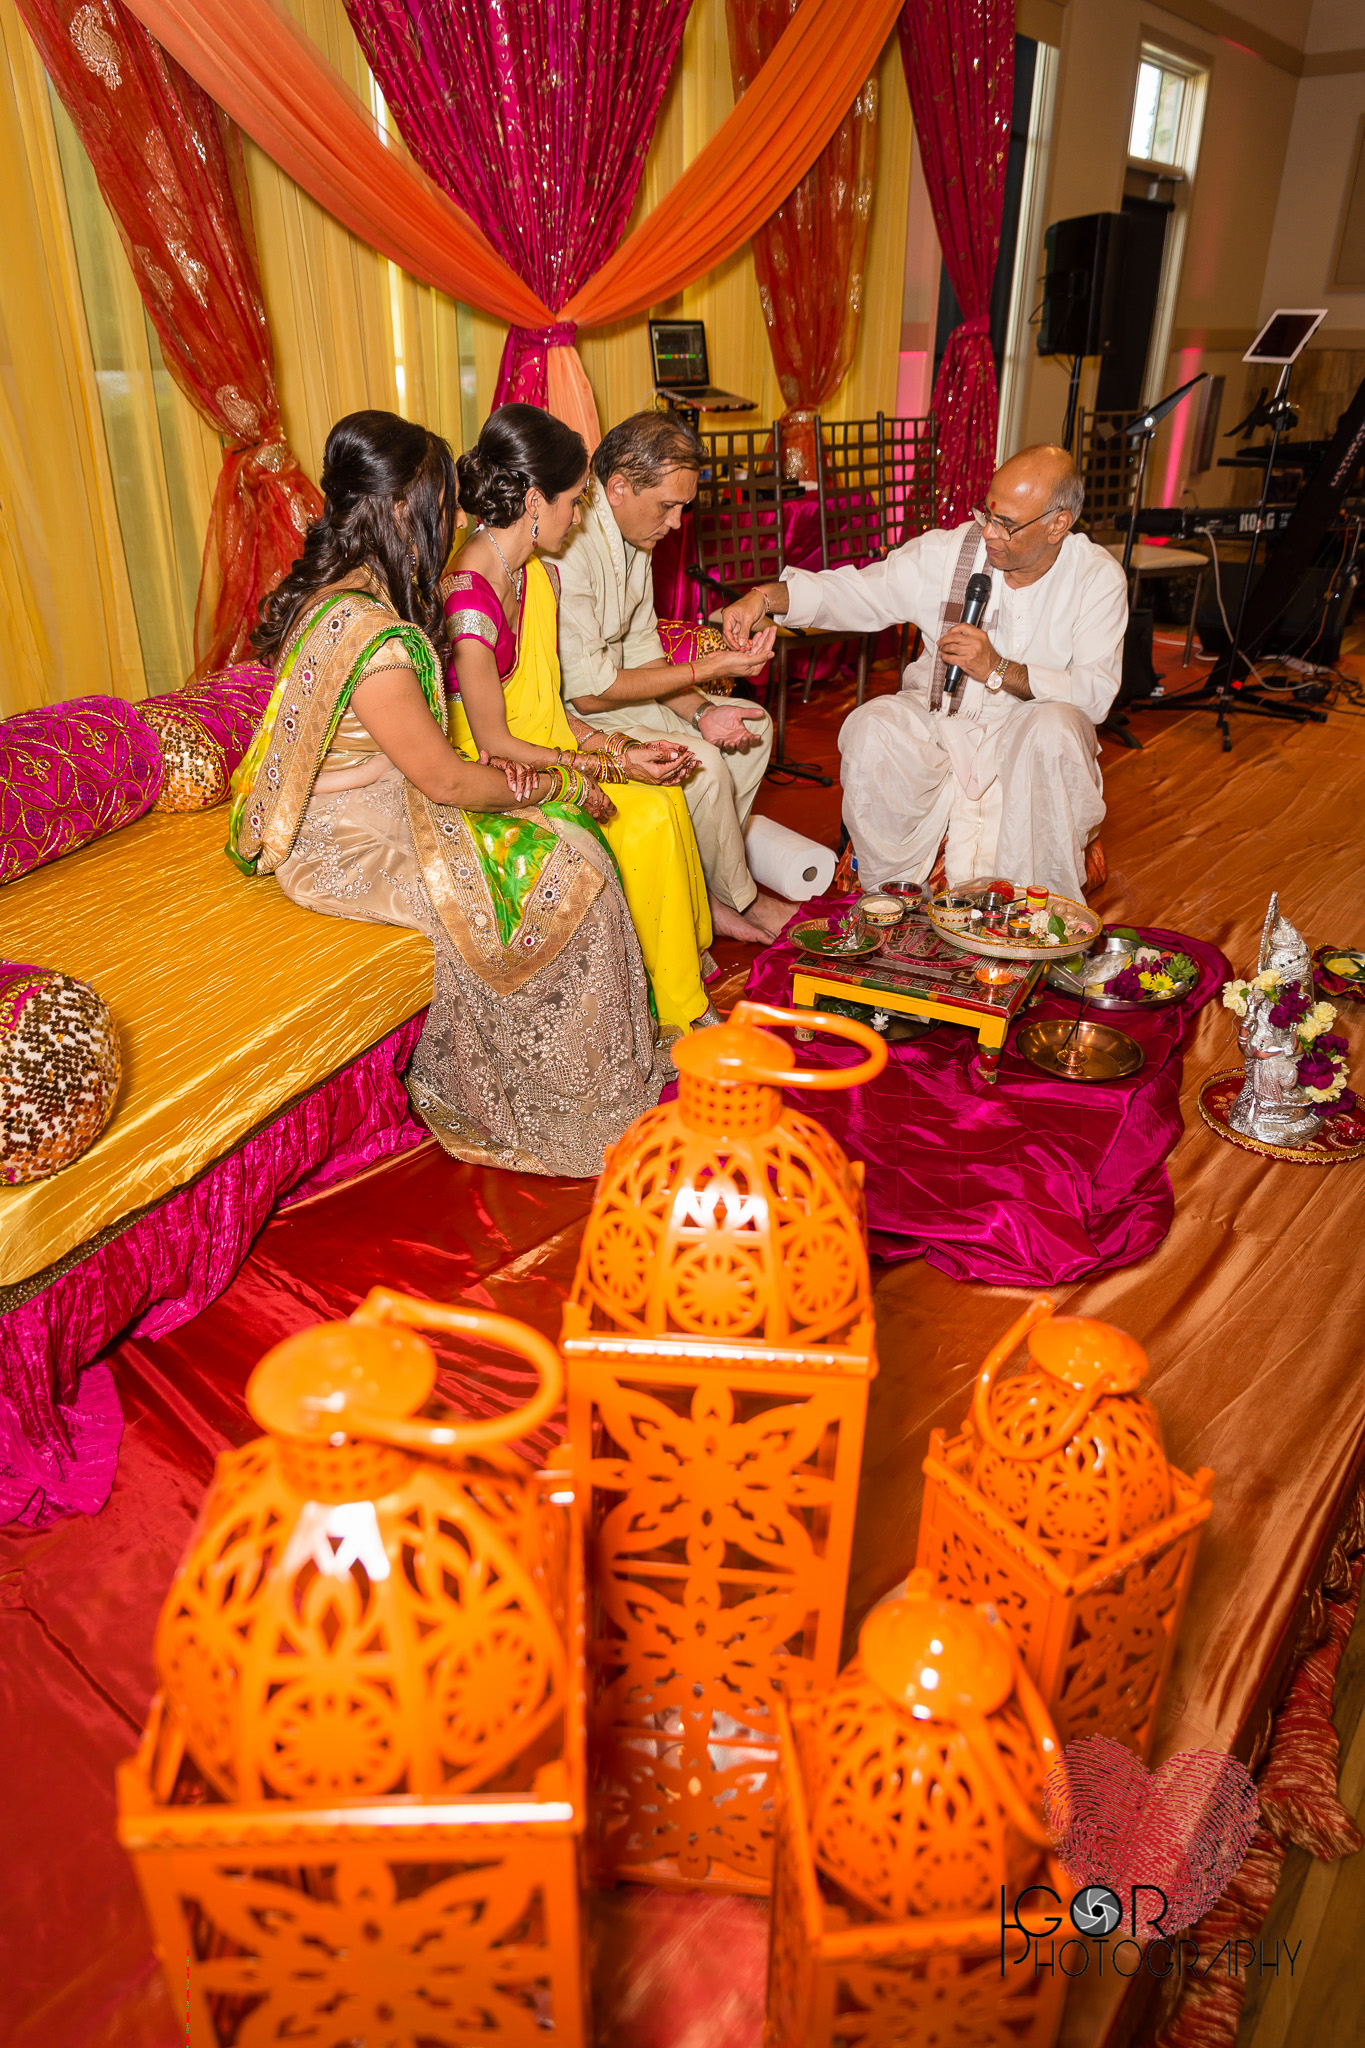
[59, 1426]
[1032, 1182]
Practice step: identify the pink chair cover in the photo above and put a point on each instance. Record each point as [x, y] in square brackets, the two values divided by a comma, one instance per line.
[69, 773]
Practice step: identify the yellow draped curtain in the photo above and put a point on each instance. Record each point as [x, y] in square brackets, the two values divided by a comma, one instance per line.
[106, 471]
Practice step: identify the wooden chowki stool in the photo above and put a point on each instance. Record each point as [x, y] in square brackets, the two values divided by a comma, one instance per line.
[1057, 1503]
[910, 1805]
[357, 1808]
[719, 1345]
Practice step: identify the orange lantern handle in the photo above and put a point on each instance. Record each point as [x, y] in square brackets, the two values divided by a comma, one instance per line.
[383, 1307]
[1037, 1311]
[815, 1020]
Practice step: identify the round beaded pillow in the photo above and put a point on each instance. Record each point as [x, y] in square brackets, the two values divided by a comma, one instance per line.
[204, 730]
[60, 1069]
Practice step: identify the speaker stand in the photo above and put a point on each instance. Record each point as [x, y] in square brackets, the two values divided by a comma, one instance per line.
[1072, 399]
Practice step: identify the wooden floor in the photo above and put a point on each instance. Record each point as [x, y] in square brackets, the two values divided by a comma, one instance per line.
[1252, 1312]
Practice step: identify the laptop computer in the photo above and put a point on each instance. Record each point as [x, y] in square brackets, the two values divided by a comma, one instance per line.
[682, 368]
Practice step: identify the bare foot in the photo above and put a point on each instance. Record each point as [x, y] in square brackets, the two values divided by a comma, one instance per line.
[1096, 866]
[734, 924]
[772, 912]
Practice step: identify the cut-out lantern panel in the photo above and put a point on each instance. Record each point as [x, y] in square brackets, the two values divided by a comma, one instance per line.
[719, 1347]
[910, 1802]
[1057, 1503]
[357, 1808]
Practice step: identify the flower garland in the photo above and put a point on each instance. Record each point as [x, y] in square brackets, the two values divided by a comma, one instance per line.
[1321, 1069]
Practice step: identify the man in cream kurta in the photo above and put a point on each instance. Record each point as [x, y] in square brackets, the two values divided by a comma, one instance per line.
[616, 674]
[1011, 774]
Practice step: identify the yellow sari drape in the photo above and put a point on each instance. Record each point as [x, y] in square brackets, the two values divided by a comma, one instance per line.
[651, 834]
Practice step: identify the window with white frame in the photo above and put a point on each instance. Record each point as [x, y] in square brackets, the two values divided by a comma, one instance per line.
[1163, 153]
[1164, 110]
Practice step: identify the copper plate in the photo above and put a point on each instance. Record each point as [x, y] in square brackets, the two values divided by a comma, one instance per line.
[1097, 1052]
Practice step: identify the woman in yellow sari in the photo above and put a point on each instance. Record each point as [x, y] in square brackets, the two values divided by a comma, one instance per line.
[522, 483]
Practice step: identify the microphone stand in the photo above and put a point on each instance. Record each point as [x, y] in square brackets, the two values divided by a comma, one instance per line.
[1143, 431]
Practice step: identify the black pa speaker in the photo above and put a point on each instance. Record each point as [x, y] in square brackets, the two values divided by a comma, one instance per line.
[1081, 284]
[1139, 677]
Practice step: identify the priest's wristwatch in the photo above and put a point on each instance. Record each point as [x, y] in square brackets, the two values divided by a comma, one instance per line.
[996, 679]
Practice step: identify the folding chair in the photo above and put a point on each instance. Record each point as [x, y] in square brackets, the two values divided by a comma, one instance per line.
[848, 484]
[909, 487]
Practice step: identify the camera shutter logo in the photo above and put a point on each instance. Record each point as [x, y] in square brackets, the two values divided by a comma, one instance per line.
[1096, 1910]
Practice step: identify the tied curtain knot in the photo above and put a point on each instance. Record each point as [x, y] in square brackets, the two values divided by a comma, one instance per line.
[979, 326]
[562, 335]
[540, 366]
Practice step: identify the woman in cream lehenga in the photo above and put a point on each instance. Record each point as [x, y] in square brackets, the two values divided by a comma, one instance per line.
[521, 483]
[539, 1047]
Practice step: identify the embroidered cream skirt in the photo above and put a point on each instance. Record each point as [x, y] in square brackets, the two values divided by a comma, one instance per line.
[541, 1080]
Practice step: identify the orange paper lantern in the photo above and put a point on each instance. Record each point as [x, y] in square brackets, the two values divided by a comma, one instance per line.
[1057, 1503]
[719, 1346]
[912, 1797]
[357, 1806]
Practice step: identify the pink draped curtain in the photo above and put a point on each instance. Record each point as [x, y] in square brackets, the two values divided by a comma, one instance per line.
[169, 164]
[535, 116]
[959, 66]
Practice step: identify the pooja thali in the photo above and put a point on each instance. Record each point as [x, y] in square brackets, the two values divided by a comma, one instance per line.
[993, 918]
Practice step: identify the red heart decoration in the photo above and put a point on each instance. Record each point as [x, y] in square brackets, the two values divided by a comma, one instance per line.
[1183, 1828]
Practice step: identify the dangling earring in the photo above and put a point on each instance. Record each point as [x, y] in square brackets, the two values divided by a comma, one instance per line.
[535, 528]
[412, 559]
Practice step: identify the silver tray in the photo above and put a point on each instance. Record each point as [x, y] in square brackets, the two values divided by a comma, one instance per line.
[1068, 983]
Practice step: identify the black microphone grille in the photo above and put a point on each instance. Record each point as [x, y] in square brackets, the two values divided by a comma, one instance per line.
[978, 588]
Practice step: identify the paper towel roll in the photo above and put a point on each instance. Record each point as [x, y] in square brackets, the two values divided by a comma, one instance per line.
[785, 863]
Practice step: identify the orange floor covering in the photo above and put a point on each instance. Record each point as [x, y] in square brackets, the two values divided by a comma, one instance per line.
[1252, 1311]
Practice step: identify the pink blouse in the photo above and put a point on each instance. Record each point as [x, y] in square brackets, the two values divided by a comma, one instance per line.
[473, 611]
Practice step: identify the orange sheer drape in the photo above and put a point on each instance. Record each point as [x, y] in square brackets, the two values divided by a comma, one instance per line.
[809, 256]
[280, 89]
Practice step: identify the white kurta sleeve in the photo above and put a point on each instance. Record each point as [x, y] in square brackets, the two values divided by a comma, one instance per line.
[586, 665]
[891, 592]
[1091, 681]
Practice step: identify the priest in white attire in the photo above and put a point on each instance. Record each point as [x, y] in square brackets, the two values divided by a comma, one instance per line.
[1008, 765]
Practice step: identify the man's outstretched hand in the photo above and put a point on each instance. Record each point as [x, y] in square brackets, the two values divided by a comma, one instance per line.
[728, 727]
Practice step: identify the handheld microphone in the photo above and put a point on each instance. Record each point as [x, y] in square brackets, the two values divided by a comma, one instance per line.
[978, 597]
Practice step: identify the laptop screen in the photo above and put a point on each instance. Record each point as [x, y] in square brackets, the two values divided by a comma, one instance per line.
[679, 350]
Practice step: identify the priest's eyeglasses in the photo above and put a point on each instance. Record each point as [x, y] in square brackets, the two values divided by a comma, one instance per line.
[1006, 528]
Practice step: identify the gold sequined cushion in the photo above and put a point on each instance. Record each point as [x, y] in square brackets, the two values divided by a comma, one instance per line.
[204, 730]
[685, 642]
[60, 1069]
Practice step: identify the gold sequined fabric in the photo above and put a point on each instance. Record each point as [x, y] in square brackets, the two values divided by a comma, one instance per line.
[196, 766]
[60, 1069]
